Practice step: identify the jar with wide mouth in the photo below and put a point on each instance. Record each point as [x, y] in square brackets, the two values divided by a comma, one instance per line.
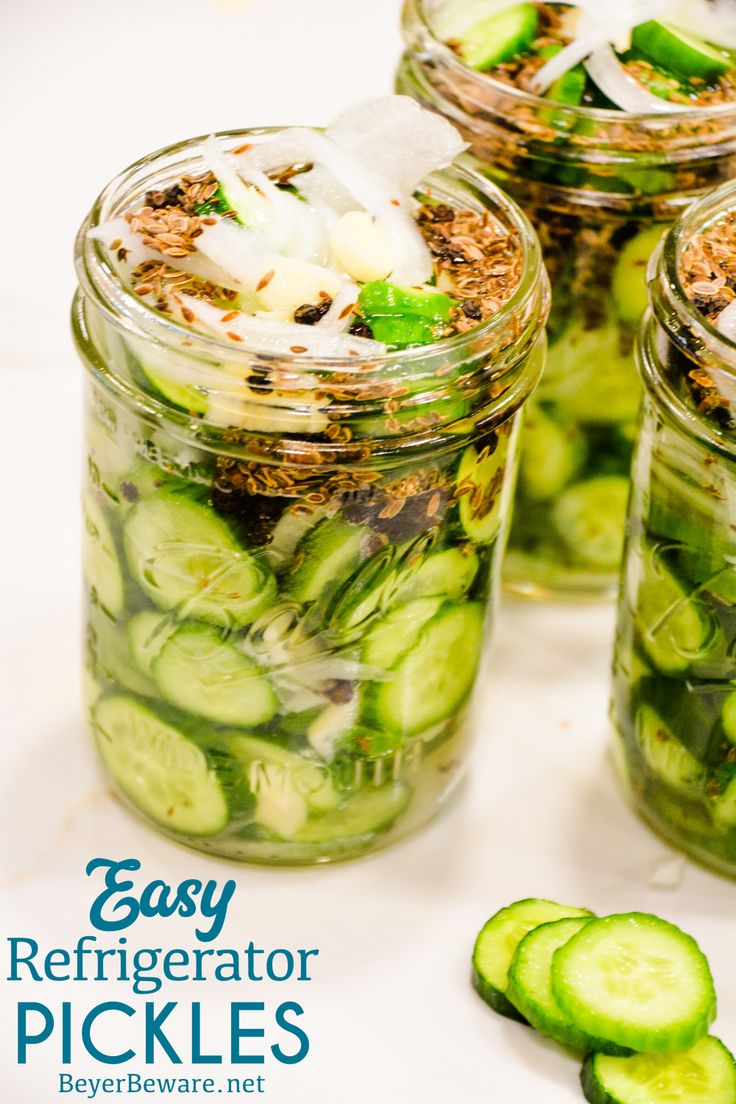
[600, 186]
[291, 562]
[674, 695]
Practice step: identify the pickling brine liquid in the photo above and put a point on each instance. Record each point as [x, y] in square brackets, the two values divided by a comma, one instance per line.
[674, 697]
[285, 680]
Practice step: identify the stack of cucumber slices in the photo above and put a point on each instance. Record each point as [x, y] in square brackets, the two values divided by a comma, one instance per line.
[646, 56]
[631, 992]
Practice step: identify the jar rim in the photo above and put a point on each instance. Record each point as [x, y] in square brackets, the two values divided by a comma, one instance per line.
[416, 10]
[688, 330]
[101, 284]
[669, 298]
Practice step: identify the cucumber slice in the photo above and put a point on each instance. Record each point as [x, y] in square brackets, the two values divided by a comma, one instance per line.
[728, 718]
[499, 38]
[590, 378]
[629, 283]
[372, 810]
[288, 531]
[689, 708]
[102, 572]
[392, 637]
[666, 756]
[159, 768]
[570, 87]
[480, 486]
[159, 369]
[705, 1074]
[288, 788]
[186, 558]
[447, 574]
[567, 89]
[530, 986]
[434, 679]
[325, 556]
[380, 298]
[551, 455]
[201, 673]
[404, 332]
[636, 980]
[139, 482]
[147, 633]
[367, 591]
[675, 627]
[590, 518]
[724, 806]
[109, 658]
[498, 940]
[678, 52]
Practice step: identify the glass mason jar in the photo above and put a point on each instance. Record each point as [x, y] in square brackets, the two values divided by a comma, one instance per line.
[289, 581]
[600, 187]
[674, 696]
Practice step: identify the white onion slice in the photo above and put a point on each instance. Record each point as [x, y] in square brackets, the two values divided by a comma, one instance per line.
[726, 321]
[239, 252]
[397, 140]
[195, 264]
[335, 319]
[279, 338]
[624, 90]
[293, 227]
[118, 229]
[597, 28]
[372, 193]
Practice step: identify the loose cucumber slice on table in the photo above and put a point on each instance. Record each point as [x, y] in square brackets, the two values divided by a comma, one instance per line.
[530, 986]
[636, 980]
[679, 52]
[102, 571]
[324, 557]
[590, 517]
[498, 38]
[480, 483]
[675, 627]
[159, 767]
[629, 281]
[203, 674]
[434, 679]
[206, 574]
[551, 455]
[705, 1074]
[665, 755]
[498, 940]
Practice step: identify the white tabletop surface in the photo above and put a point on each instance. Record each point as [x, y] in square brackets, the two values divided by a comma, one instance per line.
[390, 1012]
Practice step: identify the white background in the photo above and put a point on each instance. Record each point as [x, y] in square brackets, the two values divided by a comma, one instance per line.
[85, 87]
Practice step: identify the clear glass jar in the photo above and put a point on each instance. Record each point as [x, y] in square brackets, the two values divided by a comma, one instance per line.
[288, 588]
[674, 700]
[600, 187]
